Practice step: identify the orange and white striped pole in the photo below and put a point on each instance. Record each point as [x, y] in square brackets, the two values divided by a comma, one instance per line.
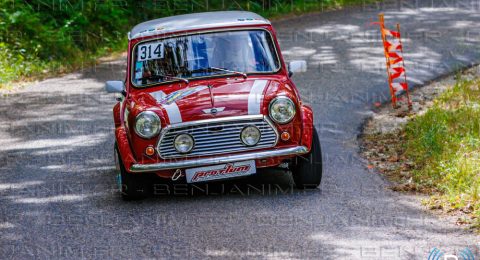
[384, 39]
[392, 61]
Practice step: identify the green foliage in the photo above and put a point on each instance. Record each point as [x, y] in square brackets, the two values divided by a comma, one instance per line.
[39, 37]
[445, 143]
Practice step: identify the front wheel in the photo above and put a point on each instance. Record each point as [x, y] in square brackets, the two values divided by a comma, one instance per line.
[307, 170]
[131, 186]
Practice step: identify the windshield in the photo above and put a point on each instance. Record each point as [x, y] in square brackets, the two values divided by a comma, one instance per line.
[202, 55]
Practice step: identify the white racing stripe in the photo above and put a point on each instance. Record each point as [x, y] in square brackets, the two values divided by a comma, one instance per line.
[173, 112]
[255, 97]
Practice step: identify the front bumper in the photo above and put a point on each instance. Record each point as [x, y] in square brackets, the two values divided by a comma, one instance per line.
[297, 150]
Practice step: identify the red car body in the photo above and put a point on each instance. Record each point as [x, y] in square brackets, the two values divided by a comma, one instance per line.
[231, 92]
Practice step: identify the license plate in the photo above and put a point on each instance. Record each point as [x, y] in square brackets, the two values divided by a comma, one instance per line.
[222, 171]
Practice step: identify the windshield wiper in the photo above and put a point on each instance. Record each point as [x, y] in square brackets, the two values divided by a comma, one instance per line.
[243, 74]
[166, 76]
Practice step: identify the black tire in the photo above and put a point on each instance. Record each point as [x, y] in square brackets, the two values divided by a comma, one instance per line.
[131, 186]
[307, 169]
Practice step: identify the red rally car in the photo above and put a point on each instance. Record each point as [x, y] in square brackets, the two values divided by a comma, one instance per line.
[207, 96]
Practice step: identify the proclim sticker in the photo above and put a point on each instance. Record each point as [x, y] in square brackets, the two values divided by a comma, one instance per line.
[150, 51]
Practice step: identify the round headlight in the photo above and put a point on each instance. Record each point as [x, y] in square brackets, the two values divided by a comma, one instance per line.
[250, 135]
[183, 143]
[147, 124]
[282, 110]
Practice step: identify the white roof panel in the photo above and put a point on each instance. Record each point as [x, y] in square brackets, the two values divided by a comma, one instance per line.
[196, 21]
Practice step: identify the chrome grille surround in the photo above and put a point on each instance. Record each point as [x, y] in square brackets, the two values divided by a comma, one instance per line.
[217, 136]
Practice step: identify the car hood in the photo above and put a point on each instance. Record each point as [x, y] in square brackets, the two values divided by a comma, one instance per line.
[205, 101]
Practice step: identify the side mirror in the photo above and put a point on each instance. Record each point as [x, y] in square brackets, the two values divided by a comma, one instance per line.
[115, 86]
[297, 66]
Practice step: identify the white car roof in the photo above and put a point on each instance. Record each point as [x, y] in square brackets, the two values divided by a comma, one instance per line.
[196, 21]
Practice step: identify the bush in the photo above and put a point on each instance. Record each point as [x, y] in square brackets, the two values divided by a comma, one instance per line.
[36, 37]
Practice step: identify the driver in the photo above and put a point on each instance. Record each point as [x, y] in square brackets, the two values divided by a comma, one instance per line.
[233, 51]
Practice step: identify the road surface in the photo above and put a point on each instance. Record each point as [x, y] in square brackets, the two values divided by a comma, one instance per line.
[58, 197]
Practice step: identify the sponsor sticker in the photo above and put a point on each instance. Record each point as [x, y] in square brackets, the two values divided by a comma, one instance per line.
[179, 94]
[222, 171]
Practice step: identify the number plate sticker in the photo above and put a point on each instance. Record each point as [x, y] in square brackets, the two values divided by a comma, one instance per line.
[150, 51]
[222, 171]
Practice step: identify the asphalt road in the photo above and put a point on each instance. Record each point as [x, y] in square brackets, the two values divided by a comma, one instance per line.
[57, 190]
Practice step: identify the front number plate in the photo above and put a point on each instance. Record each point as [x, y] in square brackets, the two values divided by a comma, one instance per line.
[222, 171]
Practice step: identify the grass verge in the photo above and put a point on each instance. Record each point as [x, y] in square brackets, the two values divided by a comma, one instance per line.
[436, 152]
[444, 145]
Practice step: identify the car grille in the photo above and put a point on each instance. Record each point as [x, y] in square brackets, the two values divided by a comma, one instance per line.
[216, 136]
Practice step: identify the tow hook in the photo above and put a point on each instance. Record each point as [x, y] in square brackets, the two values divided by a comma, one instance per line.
[177, 174]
